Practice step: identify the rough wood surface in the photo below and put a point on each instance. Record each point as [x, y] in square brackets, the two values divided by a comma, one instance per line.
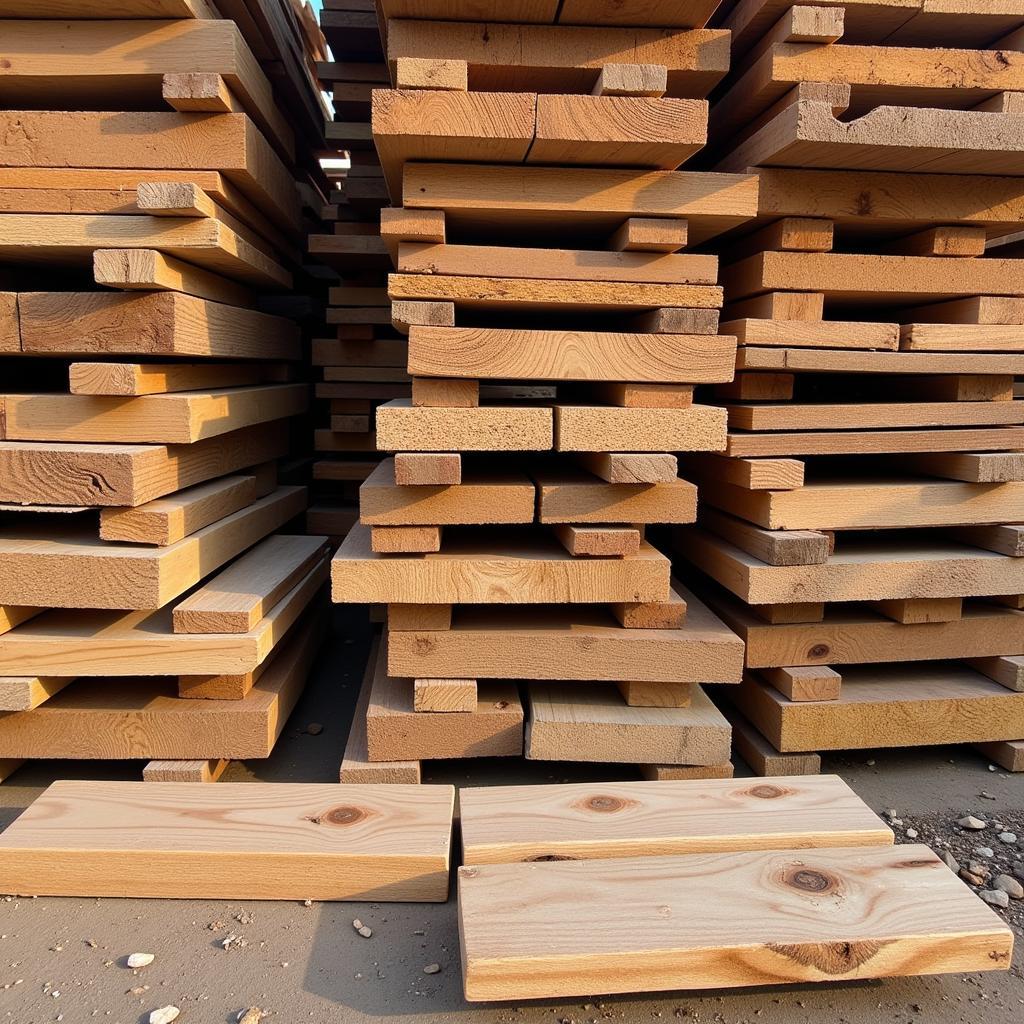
[451, 695]
[581, 428]
[403, 427]
[184, 771]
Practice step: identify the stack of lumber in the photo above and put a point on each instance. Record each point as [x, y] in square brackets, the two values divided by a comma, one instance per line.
[555, 330]
[358, 355]
[861, 532]
[148, 215]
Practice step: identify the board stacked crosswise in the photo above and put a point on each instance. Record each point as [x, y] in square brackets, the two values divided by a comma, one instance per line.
[558, 313]
[148, 210]
[861, 531]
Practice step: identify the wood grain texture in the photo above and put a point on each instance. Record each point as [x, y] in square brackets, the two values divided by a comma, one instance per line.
[22, 693]
[448, 695]
[184, 771]
[580, 428]
[157, 378]
[567, 938]
[403, 427]
[298, 841]
[569, 496]
[597, 821]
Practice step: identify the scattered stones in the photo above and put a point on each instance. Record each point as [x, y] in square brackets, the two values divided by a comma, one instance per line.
[244, 917]
[432, 969]
[1008, 837]
[995, 897]
[912, 833]
[140, 960]
[987, 796]
[950, 861]
[251, 1016]
[984, 851]
[1009, 885]
[972, 877]
[314, 728]
[233, 941]
[362, 929]
[972, 823]
[164, 1015]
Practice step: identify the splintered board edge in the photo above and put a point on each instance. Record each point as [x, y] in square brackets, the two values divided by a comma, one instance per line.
[245, 841]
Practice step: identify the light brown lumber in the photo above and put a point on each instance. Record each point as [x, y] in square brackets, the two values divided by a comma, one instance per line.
[889, 706]
[511, 951]
[73, 238]
[632, 468]
[583, 644]
[62, 844]
[870, 504]
[671, 320]
[511, 567]
[861, 570]
[572, 12]
[776, 547]
[656, 695]
[972, 311]
[838, 361]
[12, 616]
[396, 730]
[1008, 754]
[479, 499]
[598, 541]
[403, 427]
[608, 429]
[429, 617]
[86, 720]
[405, 540]
[23, 693]
[587, 821]
[634, 131]
[788, 234]
[971, 467]
[1006, 539]
[439, 125]
[914, 610]
[222, 687]
[685, 772]
[193, 91]
[650, 234]
[750, 474]
[644, 267]
[149, 270]
[127, 475]
[944, 240]
[576, 723]
[1007, 670]
[154, 418]
[632, 80]
[445, 393]
[229, 143]
[576, 497]
[167, 520]
[428, 469]
[860, 415]
[961, 338]
[874, 442]
[152, 324]
[109, 9]
[570, 355]
[417, 73]
[670, 614]
[843, 334]
[399, 224]
[773, 305]
[762, 758]
[236, 599]
[796, 611]
[127, 379]
[805, 683]
[185, 771]
[70, 569]
[603, 197]
[406, 313]
[10, 336]
[356, 765]
[961, 387]
[445, 695]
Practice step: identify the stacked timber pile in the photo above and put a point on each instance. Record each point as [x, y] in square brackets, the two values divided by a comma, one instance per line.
[555, 334]
[861, 528]
[147, 199]
[359, 355]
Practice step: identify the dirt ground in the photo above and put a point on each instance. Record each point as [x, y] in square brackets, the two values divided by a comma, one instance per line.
[64, 959]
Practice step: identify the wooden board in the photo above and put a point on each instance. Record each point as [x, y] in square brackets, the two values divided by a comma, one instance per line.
[575, 723]
[125, 839]
[591, 428]
[22, 693]
[511, 567]
[571, 643]
[1008, 754]
[904, 705]
[185, 771]
[880, 415]
[576, 497]
[548, 930]
[72, 569]
[158, 378]
[404, 427]
[874, 442]
[803, 360]
[235, 600]
[586, 821]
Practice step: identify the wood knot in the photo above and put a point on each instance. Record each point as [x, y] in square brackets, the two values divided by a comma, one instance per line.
[344, 815]
[469, 872]
[767, 792]
[818, 651]
[830, 957]
[546, 858]
[603, 803]
[811, 880]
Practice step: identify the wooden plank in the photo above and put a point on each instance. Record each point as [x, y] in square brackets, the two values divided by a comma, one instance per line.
[396, 730]
[650, 234]
[904, 898]
[417, 73]
[576, 723]
[843, 334]
[873, 442]
[477, 569]
[575, 497]
[1008, 754]
[154, 418]
[184, 771]
[505, 824]
[129, 379]
[762, 758]
[639, 694]
[70, 569]
[235, 600]
[62, 844]
[847, 361]
[479, 499]
[879, 415]
[750, 474]
[435, 469]
[634, 468]
[684, 772]
[1004, 539]
[403, 427]
[579, 428]
[776, 547]
[890, 706]
[916, 337]
[23, 693]
[1008, 670]
[445, 695]
[150, 324]
[805, 683]
[632, 80]
[861, 570]
[570, 355]
[570, 642]
[598, 541]
[11, 616]
[922, 609]
[127, 475]
[403, 540]
[419, 617]
[670, 614]
[149, 270]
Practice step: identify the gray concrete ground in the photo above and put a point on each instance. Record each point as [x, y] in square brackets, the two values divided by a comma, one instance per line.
[64, 959]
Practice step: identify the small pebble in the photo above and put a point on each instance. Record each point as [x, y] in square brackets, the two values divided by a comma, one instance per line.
[984, 851]
[950, 861]
[251, 1016]
[365, 932]
[1009, 885]
[1007, 837]
[140, 960]
[987, 796]
[972, 823]
[912, 833]
[995, 897]
[870, 763]
[971, 877]
[164, 1015]
[991, 767]
[432, 969]
[314, 728]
